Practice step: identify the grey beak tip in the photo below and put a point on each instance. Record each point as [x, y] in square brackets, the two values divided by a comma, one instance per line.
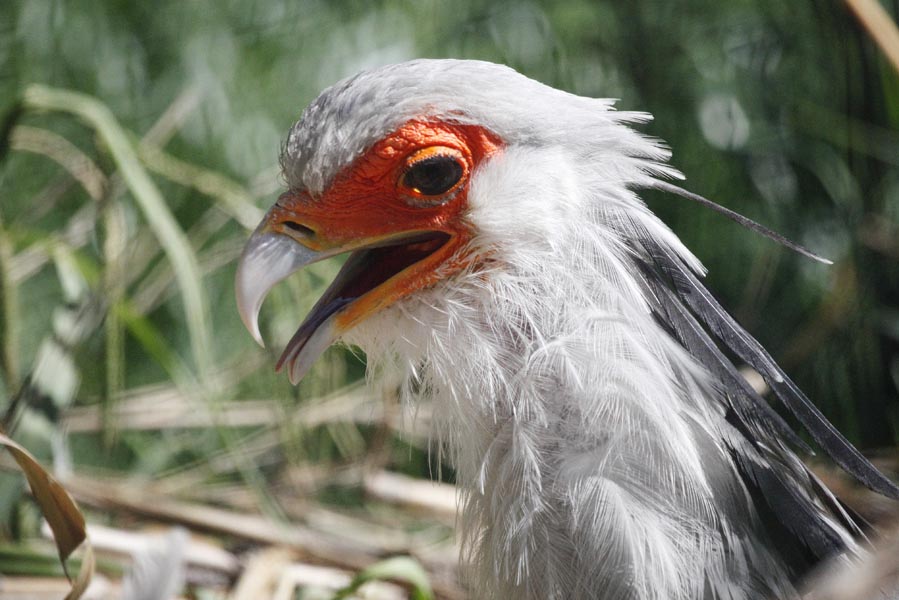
[267, 258]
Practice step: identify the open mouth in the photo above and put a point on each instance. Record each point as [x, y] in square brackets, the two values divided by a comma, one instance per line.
[365, 271]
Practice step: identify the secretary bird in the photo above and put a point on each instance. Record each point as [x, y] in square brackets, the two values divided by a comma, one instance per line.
[503, 266]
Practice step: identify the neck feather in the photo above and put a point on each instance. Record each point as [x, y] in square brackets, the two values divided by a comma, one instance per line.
[569, 415]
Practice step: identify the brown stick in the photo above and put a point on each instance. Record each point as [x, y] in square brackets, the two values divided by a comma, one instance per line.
[312, 545]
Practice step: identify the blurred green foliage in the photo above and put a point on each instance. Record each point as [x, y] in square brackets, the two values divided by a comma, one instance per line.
[784, 111]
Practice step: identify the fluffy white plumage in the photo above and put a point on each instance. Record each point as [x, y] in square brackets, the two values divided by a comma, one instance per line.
[601, 450]
[580, 431]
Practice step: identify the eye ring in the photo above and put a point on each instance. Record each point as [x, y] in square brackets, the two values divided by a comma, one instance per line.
[433, 172]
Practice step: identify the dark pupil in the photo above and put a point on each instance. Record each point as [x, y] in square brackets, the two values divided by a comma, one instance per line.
[433, 176]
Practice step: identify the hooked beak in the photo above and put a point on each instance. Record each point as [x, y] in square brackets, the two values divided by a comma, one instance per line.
[375, 275]
[268, 258]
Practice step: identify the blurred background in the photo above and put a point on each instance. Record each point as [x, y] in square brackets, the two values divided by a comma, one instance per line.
[141, 145]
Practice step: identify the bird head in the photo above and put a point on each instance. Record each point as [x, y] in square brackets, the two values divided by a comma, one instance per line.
[424, 171]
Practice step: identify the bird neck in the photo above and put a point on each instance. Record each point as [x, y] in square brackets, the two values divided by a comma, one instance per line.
[551, 387]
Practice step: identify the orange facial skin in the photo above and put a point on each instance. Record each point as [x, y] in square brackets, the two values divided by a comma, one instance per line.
[368, 203]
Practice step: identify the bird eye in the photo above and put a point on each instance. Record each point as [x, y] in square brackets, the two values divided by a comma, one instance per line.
[434, 175]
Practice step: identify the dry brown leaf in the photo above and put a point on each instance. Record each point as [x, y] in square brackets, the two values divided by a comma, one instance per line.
[60, 511]
[88, 564]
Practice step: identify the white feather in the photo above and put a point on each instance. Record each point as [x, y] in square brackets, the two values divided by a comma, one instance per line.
[558, 396]
[581, 432]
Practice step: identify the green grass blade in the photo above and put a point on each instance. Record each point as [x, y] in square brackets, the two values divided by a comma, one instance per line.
[151, 202]
[398, 568]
